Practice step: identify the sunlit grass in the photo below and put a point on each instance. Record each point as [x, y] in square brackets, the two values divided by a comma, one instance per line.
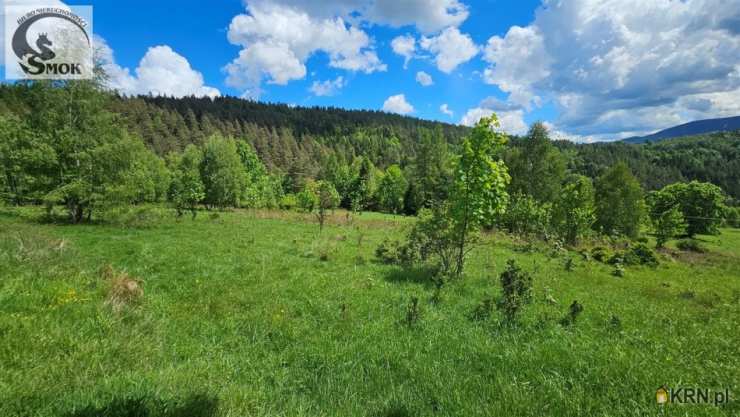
[256, 314]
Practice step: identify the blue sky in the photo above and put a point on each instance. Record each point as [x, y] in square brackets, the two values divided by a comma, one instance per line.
[594, 70]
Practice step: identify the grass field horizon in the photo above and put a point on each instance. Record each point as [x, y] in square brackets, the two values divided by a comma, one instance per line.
[256, 313]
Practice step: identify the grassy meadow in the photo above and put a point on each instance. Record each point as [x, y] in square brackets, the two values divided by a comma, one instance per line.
[254, 313]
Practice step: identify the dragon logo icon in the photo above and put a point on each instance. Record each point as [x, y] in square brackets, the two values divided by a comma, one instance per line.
[35, 61]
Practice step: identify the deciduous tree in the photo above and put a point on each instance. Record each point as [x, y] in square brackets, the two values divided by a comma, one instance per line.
[392, 189]
[222, 172]
[478, 194]
[573, 212]
[620, 204]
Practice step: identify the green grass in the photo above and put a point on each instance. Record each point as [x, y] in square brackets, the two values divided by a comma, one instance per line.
[241, 316]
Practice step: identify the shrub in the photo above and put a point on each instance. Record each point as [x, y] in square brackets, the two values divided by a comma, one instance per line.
[574, 311]
[526, 216]
[691, 245]
[289, 202]
[569, 264]
[638, 254]
[326, 251]
[482, 310]
[615, 323]
[615, 259]
[394, 252]
[434, 236]
[600, 253]
[618, 270]
[517, 290]
[641, 254]
[318, 198]
[387, 251]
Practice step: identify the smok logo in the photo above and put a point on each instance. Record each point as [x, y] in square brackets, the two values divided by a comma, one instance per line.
[48, 43]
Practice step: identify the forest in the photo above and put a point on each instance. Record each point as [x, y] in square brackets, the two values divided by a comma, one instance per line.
[374, 160]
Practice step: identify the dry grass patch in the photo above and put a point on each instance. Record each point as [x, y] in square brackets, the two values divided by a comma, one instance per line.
[123, 290]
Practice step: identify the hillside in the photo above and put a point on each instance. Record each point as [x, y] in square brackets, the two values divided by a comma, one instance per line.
[698, 127]
[324, 121]
[282, 135]
[302, 142]
[711, 157]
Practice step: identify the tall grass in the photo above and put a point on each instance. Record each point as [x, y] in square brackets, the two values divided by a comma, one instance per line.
[244, 316]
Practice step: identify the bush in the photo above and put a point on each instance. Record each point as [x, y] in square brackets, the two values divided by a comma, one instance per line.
[638, 254]
[433, 236]
[289, 202]
[574, 311]
[387, 252]
[517, 290]
[394, 252]
[600, 253]
[525, 216]
[691, 245]
[482, 310]
[569, 264]
[641, 254]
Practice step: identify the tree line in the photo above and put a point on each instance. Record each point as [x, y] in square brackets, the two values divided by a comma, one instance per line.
[77, 146]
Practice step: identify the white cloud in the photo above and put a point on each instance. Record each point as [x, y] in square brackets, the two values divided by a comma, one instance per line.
[404, 46]
[445, 109]
[474, 115]
[451, 48]
[427, 15]
[328, 87]
[277, 40]
[510, 115]
[398, 104]
[621, 67]
[279, 36]
[161, 71]
[519, 61]
[424, 79]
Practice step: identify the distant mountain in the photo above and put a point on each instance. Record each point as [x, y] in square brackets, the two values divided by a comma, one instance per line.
[698, 127]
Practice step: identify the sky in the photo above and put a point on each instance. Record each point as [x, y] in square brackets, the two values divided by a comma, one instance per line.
[592, 70]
